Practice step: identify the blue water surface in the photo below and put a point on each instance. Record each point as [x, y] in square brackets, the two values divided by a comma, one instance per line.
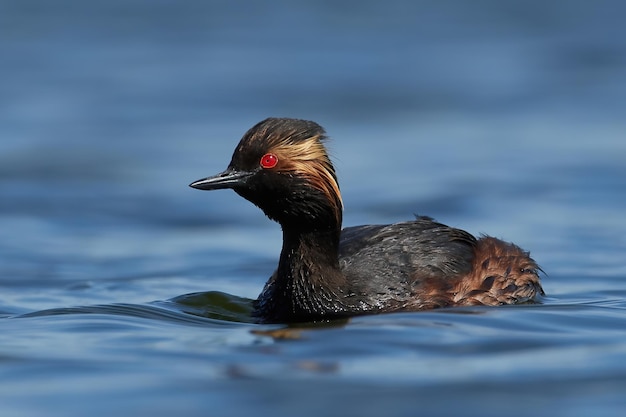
[124, 292]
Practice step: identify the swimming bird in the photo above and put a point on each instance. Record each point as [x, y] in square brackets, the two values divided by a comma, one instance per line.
[281, 165]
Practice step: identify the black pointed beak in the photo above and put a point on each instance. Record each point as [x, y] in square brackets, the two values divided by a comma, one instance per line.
[227, 179]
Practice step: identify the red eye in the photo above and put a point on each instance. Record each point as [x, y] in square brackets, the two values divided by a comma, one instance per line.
[269, 160]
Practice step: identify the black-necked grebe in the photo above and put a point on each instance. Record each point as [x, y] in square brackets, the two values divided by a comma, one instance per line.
[324, 272]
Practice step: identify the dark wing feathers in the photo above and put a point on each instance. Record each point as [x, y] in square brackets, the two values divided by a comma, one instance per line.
[412, 251]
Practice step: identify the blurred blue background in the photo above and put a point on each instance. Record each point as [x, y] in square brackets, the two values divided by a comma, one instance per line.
[502, 117]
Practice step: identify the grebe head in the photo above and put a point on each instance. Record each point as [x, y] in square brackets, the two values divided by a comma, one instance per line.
[282, 167]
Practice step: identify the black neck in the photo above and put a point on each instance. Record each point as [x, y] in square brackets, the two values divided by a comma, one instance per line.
[308, 282]
[309, 249]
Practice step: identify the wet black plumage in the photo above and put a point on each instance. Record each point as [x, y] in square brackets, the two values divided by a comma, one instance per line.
[281, 166]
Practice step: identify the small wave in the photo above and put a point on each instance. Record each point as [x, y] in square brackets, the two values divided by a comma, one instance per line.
[206, 308]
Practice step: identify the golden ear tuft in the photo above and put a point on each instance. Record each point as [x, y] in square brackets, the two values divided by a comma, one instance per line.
[309, 159]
